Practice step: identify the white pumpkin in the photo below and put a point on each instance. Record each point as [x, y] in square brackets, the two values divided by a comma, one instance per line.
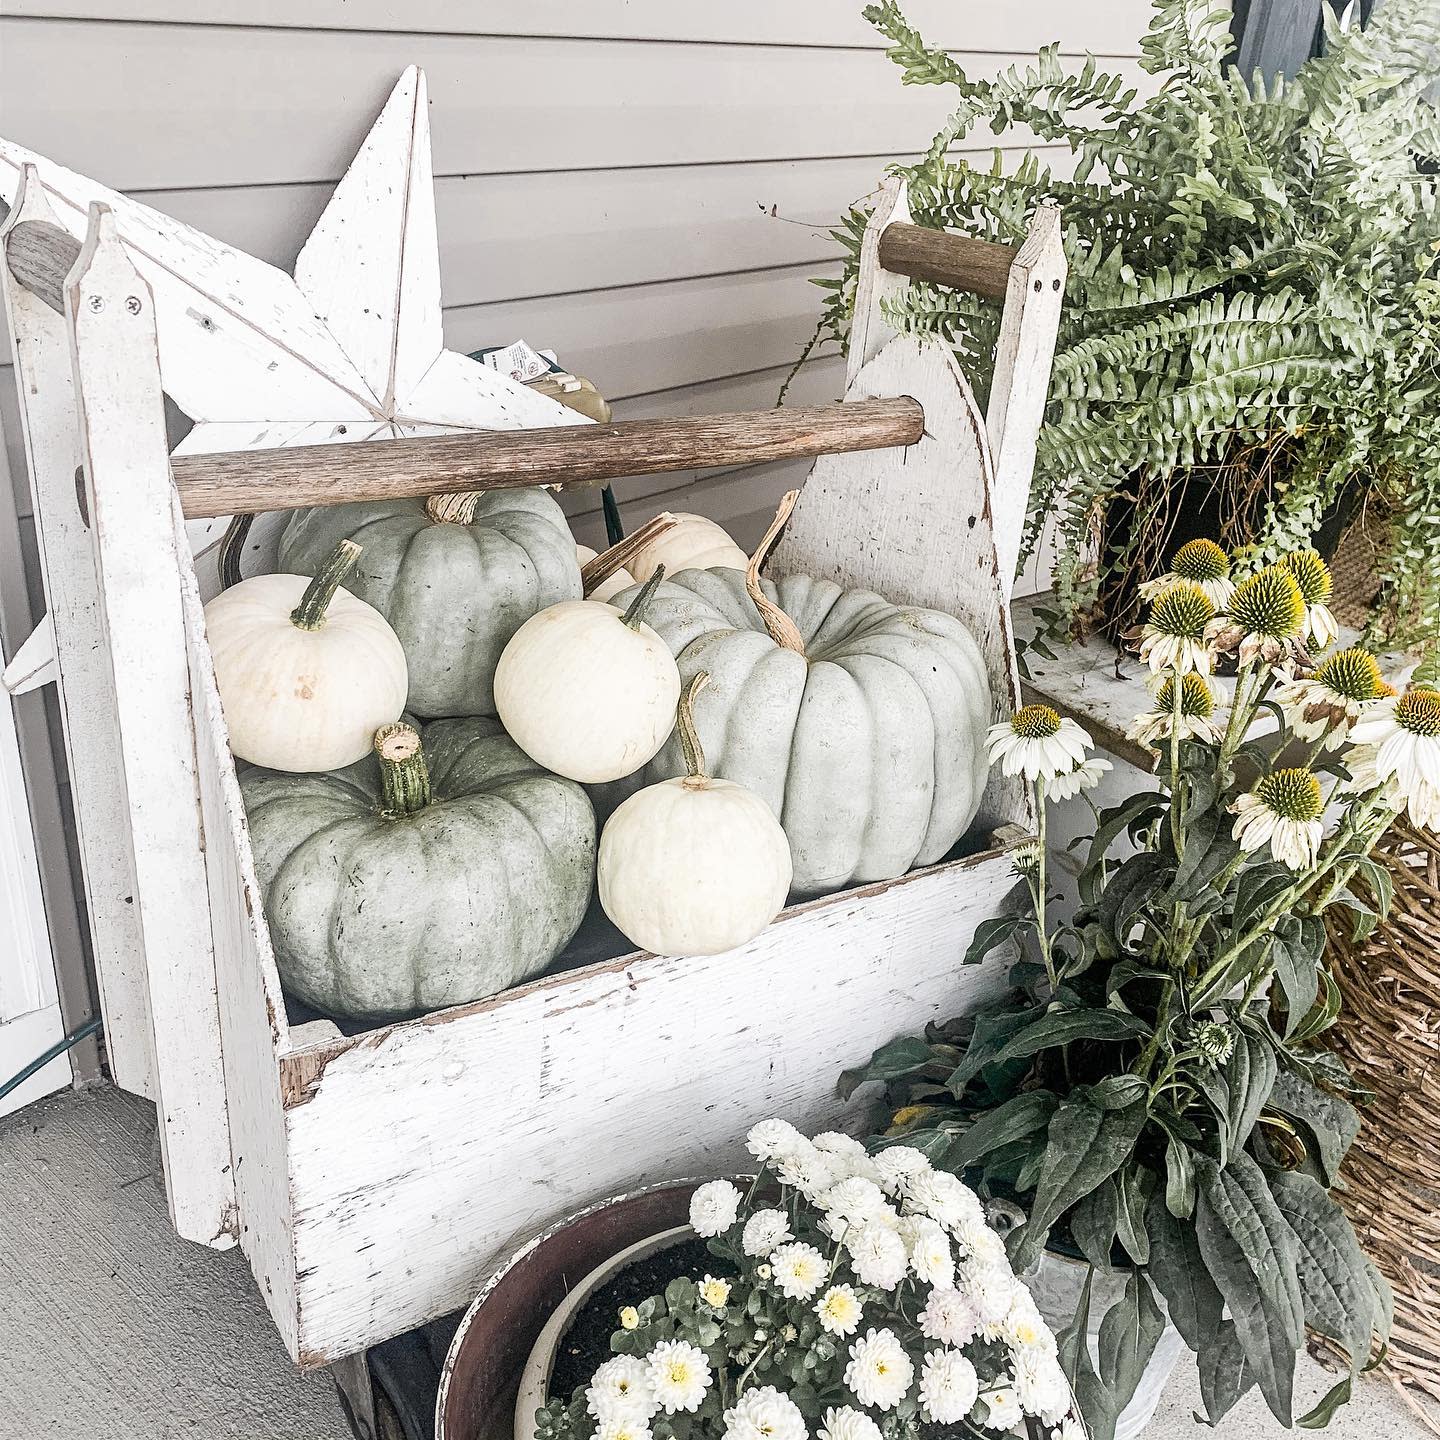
[611, 585]
[690, 542]
[588, 690]
[694, 865]
[307, 673]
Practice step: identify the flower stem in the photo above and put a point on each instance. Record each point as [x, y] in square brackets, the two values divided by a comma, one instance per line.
[1039, 884]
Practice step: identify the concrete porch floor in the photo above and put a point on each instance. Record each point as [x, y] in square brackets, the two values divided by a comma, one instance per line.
[112, 1327]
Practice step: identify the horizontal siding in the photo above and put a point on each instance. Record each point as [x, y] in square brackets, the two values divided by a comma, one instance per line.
[1108, 28]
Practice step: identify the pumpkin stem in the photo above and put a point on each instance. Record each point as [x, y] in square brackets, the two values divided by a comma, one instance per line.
[607, 562]
[689, 735]
[782, 629]
[404, 775]
[457, 509]
[309, 614]
[636, 613]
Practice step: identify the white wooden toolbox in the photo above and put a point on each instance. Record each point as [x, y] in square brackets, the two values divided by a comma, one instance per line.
[371, 1178]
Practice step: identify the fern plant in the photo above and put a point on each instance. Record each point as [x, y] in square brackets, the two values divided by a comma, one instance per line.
[1252, 319]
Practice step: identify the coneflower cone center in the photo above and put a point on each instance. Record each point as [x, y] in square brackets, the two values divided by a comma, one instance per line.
[1199, 560]
[1036, 722]
[1293, 794]
[1353, 674]
[1418, 711]
[1269, 604]
[1197, 700]
[1183, 610]
[1311, 574]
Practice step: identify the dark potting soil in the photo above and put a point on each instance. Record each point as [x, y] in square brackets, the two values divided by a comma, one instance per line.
[585, 1346]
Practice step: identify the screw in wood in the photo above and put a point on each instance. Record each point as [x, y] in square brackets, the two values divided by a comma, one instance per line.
[132, 304]
[97, 303]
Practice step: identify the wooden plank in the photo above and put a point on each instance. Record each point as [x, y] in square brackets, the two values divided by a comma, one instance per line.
[443, 464]
[981, 267]
[876, 288]
[121, 426]
[48, 407]
[1112, 28]
[501, 104]
[373, 1139]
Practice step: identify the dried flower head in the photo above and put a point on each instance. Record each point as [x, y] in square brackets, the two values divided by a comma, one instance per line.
[1264, 619]
[1329, 702]
[1284, 812]
[1199, 562]
[1173, 636]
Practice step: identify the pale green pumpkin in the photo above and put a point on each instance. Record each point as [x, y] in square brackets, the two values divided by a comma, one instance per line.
[419, 877]
[861, 723]
[456, 576]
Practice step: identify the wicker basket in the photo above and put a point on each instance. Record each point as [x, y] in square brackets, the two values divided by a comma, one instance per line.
[1389, 1034]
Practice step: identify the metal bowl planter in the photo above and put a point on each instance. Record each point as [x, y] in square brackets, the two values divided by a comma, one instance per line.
[492, 1348]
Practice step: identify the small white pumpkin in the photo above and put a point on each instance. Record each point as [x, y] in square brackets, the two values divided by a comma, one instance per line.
[612, 584]
[588, 690]
[694, 865]
[307, 673]
[689, 542]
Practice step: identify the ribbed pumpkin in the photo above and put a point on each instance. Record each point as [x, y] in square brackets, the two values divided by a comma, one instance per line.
[445, 867]
[456, 576]
[861, 723]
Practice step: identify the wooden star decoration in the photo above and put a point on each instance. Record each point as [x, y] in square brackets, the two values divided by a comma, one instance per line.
[348, 348]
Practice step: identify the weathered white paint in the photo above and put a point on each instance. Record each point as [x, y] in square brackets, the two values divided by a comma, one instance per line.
[33, 664]
[120, 420]
[875, 287]
[27, 972]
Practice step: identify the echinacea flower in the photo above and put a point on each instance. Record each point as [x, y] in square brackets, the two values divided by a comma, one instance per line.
[1025, 858]
[713, 1208]
[679, 1375]
[1197, 562]
[764, 1230]
[1283, 811]
[1312, 575]
[620, 1390]
[879, 1372]
[763, 1413]
[1173, 636]
[1036, 743]
[1264, 619]
[839, 1309]
[1198, 704]
[1330, 701]
[799, 1270]
[844, 1422]
[948, 1387]
[1397, 746]
[1214, 1040]
[1083, 777]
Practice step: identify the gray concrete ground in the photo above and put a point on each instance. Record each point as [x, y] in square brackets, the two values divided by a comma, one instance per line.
[112, 1327]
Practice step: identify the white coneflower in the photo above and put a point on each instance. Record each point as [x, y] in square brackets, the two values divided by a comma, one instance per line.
[679, 1375]
[879, 1372]
[1025, 858]
[713, 1208]
[839, 1309]
[1264, 620]
[1312, 575]
[1037, 743]
[1329, 702]
[620, 1390]
[1197, 713]
[1397, 745]
[1197, 562]
[763, 1413]
[799, 1270]
[1083, 777]
[844, 1422]
[877, 1255]
[949, 1317]
[715, 1293]
[1283, 811]
[1173, 636]
[764, 1230]
[948, 1387]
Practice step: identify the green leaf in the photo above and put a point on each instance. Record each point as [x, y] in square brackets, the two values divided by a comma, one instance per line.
[1134, 1186]
[992, 1031]
[1257, 889]
[1250, 1252]
[1224, 1372]
[1179, 1178]
[1016, 1119]
[1128, 1335]
[1073, 1351]
[1324, 1412]
[1093, 1224]
[1055, 1027]
[1249, 1076]
[1328, 1124]
[990, 934]
[1295, 950]
[1115, 821]
[1085, 1146]
[1179, 1269]
[892, 1061]
[1115, 1092]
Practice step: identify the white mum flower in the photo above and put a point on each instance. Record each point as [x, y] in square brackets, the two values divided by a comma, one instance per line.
[1397, 744]
[1037, 743]
[949, 1317]
[839, 1309]
[843, 1422]
[620, 1390]
[877, 1255]
[806, 1169]
[713, 1208]
[948, 1387]
[844, 1148]
[1004, 1407]
[764, 1230]
[1285, 811]
[715, 1293]
[679, 1375]
[771, 1139]
[1024, 1327]
[896, 1164]
[799, 1270]
[853, 1200]
[984, 1246]
[1041, 1386]
[930, 1255]
[1081, 778]
[622, 1430]
[944, 1198]
[763, 1413]
[879, 1372]
[990, 1289]
[1071, 1428]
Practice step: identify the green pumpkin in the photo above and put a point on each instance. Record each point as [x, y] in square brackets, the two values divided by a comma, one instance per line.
[419, 877]
[861, 723]
[456, 576]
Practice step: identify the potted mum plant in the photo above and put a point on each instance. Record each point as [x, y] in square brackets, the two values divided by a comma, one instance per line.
[1251, 330]
[1153, 1094]
[849, 1296]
